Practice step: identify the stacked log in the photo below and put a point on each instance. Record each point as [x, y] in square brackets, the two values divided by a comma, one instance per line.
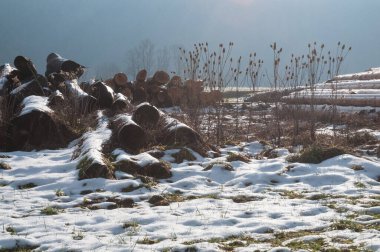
[119, 83]
[92, 162]
[143, 164]
[33, 123]
[57, 64]
[33, 87]
[25, 68]
[103, 94]
[128, 133]
[35, 127]
[120, 103]
[146, 115]
[161, 91]
[83, 102]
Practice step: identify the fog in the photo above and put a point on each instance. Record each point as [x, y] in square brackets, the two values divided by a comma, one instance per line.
[99, 33]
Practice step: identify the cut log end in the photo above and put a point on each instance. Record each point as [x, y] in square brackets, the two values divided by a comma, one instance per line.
[120, 79]
[128, 134]
[146, 115]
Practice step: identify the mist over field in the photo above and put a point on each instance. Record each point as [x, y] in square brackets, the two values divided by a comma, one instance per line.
[99, 33]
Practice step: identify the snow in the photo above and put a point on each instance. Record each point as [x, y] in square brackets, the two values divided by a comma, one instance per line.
[357, 86]
[5, 71]
[74, 88]
[142, 159]
[34, 102]
[208, 212]
[93, 141]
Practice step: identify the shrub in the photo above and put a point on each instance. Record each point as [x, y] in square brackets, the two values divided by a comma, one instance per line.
[183, 154]
[360, 138]
[233, 156]
[4, 166]
[315, 154]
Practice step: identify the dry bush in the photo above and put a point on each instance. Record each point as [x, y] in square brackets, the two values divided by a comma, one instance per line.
[315, 154]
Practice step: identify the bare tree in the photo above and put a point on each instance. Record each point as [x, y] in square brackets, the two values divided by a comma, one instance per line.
[140, 57]
[163, 58]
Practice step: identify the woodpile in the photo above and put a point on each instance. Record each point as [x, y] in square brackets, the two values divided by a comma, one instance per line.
[43, 111]
[161, 91]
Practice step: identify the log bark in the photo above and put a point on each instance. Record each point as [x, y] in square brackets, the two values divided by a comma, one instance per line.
[103, 94]
[33, 87]
[37, 128]
[92, 161]
[161, 77]
[57, 64]
[178, 134]
[83, 102]
[141, 75]
[175, 81]
[172, 132]
[120, 79]
[120, 103]
[139, 95]
[56, 99]
[128, 133]
[146, 115]
[26, 68]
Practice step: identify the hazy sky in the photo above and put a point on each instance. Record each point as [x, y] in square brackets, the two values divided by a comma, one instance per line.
[97, 32]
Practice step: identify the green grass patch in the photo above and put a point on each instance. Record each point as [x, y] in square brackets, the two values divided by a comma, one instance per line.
[347, 224]
[168, 198]
[147, 241]
[310, 245]
[11, 230]
[27, 186]
[19, 249]
[51, 210]
[292, 194]
[357, 167]
[5, 166]
[59, 193]
[360, 185]
[226, 166]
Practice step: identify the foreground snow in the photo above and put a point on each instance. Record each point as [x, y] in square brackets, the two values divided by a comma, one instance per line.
[264, 204]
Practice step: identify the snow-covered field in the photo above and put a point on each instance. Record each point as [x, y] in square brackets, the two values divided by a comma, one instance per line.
[357, 86]
[209, 204]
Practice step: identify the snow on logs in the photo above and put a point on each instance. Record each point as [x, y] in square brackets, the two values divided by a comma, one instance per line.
[103, 93]
[83, 102]
[92, 162]
[25, 68]
[32, 87]
[128, 133]
[132, 132]
[172, 131]
[142, 164]
[120, 103]
[106, 97]
[146, 115]
[56, 64]
[35, 127]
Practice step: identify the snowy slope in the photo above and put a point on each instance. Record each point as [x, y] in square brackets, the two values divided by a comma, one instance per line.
[263, 204]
